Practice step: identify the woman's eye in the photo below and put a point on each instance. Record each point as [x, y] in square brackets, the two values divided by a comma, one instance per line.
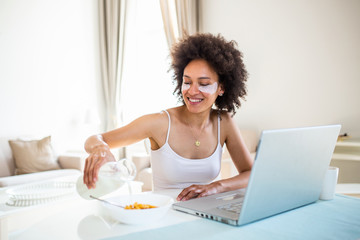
[204, 85]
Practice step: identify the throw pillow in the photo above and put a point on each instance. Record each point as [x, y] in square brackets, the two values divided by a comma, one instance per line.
[33, 156]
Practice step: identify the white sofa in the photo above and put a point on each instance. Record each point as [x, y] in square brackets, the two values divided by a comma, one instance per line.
[69, 164]
[142, 161]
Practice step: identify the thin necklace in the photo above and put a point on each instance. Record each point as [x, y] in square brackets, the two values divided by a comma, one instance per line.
[197, 142]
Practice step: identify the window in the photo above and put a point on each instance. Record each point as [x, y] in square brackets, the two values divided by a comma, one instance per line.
[147, 85]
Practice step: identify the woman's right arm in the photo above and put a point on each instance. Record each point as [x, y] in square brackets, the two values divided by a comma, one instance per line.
[150, 126]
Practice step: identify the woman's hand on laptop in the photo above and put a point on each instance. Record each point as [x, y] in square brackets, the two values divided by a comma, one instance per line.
[197, 191]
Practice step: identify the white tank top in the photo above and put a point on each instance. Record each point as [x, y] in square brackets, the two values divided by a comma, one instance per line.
[170, 170]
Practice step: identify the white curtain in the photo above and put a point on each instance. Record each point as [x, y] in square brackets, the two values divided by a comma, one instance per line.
[180, 17]
[112, 31]
[112, 16]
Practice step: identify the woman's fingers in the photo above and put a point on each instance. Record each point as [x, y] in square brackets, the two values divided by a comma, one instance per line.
[85, 178]
[183, 193]
[93, 163]
[204, 194]
[100, 160]
[88, 172]
[190, 192]
[197, 191]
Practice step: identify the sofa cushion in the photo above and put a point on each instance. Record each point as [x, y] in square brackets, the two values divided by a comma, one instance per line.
[7, 165]
[72, 160]
[35, 177]
[33, 156]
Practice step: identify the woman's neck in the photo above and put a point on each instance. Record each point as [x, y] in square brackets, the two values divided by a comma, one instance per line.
[196, 120]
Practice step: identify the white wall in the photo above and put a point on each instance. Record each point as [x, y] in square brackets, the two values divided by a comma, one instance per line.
[49, 66]
[303, 57]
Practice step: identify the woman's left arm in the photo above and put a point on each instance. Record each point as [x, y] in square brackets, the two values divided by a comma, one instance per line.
[240, 156]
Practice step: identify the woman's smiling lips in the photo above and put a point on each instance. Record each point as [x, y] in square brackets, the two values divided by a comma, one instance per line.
[194, 100]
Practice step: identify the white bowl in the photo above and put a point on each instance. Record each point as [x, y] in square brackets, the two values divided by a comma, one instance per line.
[140, 216]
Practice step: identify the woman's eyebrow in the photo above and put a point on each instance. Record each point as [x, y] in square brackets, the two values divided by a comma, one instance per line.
[198, 78]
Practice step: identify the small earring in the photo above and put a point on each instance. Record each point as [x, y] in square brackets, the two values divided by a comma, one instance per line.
[221, 94]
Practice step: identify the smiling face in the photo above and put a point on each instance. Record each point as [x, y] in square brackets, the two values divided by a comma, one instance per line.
[200, 86]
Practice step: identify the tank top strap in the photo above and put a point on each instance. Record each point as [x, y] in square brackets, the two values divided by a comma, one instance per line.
[219, 127]
[168, 132]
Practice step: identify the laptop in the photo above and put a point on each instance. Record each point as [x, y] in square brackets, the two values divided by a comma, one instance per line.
[288, 172]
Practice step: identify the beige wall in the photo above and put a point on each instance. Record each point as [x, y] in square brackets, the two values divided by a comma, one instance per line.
[303, 58]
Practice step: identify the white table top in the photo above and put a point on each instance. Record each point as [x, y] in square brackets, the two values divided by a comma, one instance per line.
[72, 218]
[83, 219]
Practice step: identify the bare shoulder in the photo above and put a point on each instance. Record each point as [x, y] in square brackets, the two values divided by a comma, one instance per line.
[175, 111]
[158, 126]
[155, 120]
[228, 125]
[160, 116]
[226, 118]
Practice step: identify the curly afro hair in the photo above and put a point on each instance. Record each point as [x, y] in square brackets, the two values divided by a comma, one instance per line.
[223, 56]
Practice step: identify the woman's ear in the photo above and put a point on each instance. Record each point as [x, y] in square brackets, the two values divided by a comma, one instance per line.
[222, 90]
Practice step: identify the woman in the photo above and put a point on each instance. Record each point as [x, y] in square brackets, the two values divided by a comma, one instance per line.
[187, 141]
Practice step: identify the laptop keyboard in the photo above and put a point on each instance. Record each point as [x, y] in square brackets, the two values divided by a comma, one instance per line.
[232, 207]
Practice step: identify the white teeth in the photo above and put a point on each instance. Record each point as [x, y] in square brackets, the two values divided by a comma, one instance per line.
[195, 100]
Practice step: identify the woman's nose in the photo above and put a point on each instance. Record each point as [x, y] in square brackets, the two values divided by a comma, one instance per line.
[194, 89]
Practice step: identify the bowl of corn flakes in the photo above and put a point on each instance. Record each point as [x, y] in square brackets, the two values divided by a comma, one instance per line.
[139, 208]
